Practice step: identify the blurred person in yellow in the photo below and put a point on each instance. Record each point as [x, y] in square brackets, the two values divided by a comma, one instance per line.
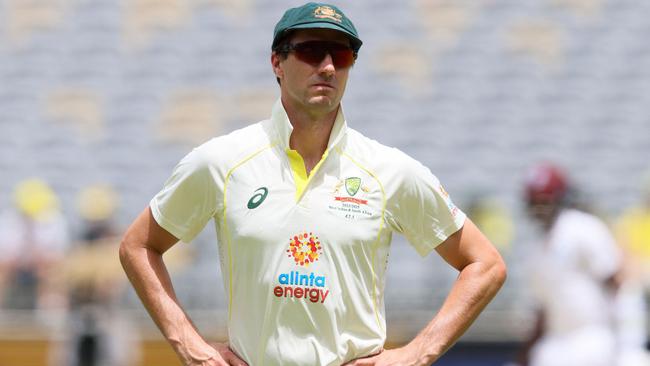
[633, 230]
[633, 233]
[96, 333]
[33, 241]
[576, 279]
[494, 220]
[305, 208]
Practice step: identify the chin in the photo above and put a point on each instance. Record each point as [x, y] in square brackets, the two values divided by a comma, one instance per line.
[322, 100]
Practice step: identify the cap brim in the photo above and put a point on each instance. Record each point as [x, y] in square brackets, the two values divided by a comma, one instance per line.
[356, 42]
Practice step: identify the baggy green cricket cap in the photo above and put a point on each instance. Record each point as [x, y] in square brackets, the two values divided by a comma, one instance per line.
[316, 15]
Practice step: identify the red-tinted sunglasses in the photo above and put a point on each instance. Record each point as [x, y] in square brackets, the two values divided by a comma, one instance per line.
[313, 53]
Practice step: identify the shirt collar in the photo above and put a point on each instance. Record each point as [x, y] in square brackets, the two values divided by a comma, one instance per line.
[283, 127]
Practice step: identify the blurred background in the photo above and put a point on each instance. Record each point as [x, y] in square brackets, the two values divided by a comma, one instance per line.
[99, 99]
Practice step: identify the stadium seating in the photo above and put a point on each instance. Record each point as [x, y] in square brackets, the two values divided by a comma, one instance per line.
[118, 92]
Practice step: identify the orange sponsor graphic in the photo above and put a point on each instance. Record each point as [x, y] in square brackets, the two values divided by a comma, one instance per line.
[305, 249]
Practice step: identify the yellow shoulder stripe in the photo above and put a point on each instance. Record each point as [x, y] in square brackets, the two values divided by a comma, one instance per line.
[225, 222]
[381, 227]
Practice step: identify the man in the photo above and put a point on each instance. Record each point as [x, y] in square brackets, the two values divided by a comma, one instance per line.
[575, 275]
[305, 208]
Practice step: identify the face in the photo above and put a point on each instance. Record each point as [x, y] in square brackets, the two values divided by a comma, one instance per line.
[314, 88]
[543, 212]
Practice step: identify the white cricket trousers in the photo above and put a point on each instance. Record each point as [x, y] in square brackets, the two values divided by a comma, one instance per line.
[589, 346]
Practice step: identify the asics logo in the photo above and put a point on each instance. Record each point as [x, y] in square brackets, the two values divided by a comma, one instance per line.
[258, 198]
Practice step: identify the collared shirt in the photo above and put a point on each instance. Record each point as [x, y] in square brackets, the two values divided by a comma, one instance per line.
[303, 256]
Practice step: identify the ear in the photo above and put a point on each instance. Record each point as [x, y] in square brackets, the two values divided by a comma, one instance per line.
[275, 63]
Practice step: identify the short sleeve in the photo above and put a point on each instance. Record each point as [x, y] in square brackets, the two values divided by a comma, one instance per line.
[421, 209]
[189, 199]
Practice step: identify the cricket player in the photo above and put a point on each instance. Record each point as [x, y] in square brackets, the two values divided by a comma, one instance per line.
[575, 274]
[304, 209]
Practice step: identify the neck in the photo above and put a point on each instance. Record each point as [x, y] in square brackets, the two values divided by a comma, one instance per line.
[311, 133]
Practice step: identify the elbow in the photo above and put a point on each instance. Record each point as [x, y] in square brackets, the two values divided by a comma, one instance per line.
[124, 253]
[499, 271]
[502, 274]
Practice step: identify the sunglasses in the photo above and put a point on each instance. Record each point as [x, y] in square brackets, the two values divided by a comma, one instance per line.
[313, 53]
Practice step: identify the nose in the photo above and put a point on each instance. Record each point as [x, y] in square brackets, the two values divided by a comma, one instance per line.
[327, 65]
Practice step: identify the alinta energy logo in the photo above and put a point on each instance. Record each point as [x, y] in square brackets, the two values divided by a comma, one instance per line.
[304, 249]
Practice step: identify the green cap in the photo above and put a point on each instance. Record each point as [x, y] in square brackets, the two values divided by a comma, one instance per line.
[316, 15]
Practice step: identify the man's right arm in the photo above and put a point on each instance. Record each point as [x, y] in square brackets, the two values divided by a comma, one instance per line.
[141, 253]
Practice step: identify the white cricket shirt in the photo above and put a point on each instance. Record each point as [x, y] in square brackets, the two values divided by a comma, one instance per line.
[570, 270]
[303, 256]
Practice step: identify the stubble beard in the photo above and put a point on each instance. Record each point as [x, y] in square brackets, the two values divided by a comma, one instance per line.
[323, 100]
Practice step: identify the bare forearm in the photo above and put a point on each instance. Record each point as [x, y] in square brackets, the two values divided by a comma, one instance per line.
[475, 287]
[148, 274]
